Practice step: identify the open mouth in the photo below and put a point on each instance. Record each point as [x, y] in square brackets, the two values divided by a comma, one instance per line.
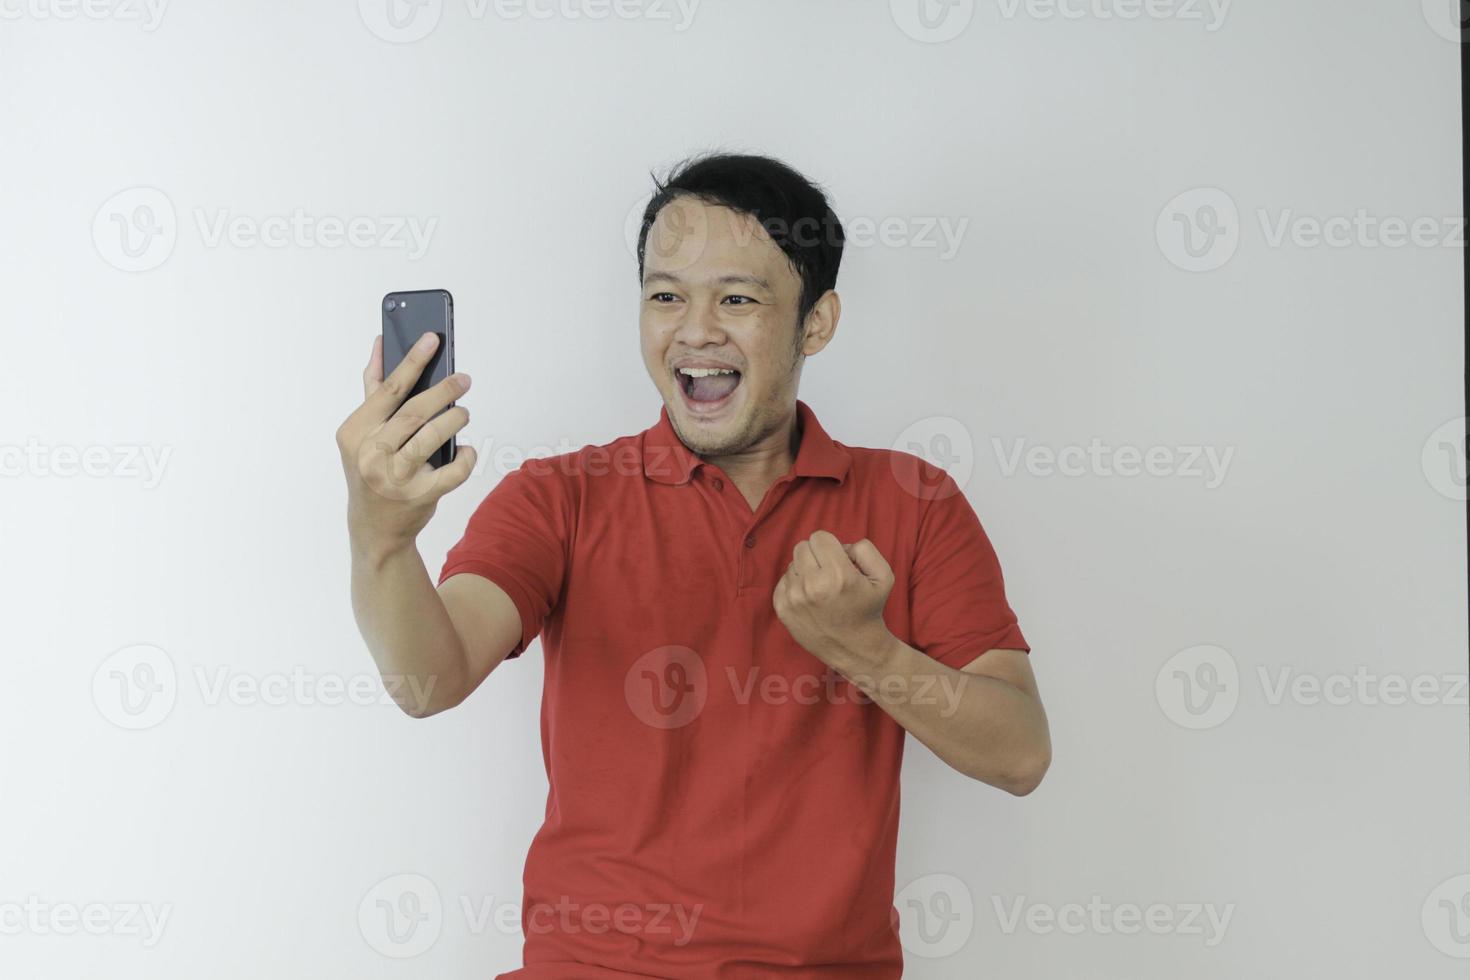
[707, 388]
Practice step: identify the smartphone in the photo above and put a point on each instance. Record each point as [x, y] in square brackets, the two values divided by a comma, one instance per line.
[407, 316]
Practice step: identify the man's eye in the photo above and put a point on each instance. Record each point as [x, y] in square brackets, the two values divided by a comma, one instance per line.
[661, 297]
[744, 300]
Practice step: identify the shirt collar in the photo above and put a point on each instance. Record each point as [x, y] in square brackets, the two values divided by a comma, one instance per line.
[667, 460]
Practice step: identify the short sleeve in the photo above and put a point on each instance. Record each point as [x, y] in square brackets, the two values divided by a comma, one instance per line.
[518, 538]
[957, 601]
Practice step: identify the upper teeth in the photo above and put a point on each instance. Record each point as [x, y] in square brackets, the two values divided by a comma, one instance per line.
[705, 372]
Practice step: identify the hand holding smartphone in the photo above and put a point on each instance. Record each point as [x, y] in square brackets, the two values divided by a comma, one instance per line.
[407, 316]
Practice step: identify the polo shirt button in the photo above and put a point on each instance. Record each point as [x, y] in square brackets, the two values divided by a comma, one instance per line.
[750, 540]
[719, 484]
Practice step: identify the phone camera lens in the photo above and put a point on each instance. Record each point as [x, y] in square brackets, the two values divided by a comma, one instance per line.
[390, 305]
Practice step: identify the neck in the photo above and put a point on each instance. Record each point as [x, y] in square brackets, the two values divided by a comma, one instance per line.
[767, 459]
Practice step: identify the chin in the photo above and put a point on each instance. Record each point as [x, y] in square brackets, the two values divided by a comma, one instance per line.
[709, 432]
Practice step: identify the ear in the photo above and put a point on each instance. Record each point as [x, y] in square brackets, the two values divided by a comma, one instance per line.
[821, 323]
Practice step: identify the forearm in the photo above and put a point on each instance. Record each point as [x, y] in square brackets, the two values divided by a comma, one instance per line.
[407, 629]
[986, 728]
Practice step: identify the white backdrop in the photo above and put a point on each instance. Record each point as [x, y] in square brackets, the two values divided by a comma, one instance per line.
[1167, 284]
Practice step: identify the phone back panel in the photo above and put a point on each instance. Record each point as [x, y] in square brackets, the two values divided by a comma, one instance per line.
[407, 316]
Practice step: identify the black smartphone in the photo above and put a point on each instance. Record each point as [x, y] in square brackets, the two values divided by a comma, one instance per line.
[407, 316]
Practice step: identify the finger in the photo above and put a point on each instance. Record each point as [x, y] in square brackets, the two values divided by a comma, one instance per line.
[417, 446]
[828, 550]
[450, 477]
[427, 404]
[386, 397]
[419, 410]
[803, 562]
[870, 560]
[372, 375]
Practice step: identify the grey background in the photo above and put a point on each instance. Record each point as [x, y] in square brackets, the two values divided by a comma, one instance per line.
[1334, 543]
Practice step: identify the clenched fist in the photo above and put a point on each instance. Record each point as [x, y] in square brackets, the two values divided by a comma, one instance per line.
[832, 596]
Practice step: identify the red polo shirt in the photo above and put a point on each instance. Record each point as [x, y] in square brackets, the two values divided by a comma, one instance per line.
[721, 806]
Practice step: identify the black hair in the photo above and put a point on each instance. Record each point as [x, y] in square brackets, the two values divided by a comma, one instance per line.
[791, 209]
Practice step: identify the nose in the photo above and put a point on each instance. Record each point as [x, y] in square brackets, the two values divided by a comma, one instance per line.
[699, 326]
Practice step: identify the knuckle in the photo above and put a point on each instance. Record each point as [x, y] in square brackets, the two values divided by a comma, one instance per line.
[394, 386]
[417, 445]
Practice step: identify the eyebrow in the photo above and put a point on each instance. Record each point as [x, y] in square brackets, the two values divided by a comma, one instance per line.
[729, 280]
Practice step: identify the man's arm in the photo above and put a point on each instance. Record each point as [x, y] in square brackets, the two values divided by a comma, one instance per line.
[985, 720]
[432, 647]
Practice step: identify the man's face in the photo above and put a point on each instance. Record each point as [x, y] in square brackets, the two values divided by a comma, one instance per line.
[719, 295]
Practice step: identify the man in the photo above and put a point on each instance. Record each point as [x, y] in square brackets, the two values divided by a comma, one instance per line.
[741, 618]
